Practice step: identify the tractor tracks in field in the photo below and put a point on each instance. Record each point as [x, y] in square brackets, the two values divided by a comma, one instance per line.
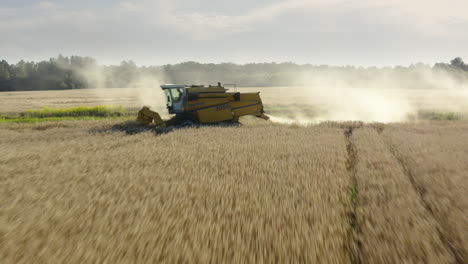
[421, 192]
[354, 244]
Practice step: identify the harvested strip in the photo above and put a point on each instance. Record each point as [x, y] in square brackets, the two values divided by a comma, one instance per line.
[393, 223]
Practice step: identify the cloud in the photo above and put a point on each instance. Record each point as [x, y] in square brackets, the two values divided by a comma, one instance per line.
[292, 29]
[46, 15]
[167, 15]
[160, 13]
[128, 6]
[275, 10]
[428, 17]
[48, 5]
[436, 18]
[424, 16]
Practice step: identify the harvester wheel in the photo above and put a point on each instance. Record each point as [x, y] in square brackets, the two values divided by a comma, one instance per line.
[188, 123]
[184, 120]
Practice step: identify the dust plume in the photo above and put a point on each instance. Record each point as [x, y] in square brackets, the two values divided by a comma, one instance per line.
[138, 89]
[314, 95]
[382, 96]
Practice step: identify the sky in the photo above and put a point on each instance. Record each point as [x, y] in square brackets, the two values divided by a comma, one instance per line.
[156, 32]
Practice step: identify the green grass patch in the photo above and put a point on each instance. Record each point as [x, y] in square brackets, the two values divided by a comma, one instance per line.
[436, 115]
[96, 111]
[37, 120]
[75, 113]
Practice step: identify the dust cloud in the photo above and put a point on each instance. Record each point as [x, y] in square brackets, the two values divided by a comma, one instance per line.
[332, 96]
[143, 89]
[373, 95]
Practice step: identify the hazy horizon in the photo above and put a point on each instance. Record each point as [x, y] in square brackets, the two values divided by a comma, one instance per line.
[158, 32]
[118, 62]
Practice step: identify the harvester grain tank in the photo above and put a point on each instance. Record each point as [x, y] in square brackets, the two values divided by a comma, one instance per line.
[199, 104]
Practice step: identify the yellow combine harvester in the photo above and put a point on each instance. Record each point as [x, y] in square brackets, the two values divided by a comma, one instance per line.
[198, 104]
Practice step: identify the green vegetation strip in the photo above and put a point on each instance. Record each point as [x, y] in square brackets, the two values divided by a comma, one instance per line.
[75, 113]
[434, 115]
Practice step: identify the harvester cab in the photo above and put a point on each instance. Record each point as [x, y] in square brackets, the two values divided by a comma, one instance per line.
[175, 95]
[199, 104]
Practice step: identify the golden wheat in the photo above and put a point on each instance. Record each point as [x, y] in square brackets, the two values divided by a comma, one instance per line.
[392, 223]
[107, 191]
[249, 194]
[436, 158]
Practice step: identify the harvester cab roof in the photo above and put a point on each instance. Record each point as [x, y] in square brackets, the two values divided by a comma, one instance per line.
[196, 88]
[177, 94]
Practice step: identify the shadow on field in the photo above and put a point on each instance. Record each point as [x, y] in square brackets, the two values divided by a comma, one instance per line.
[132, 128]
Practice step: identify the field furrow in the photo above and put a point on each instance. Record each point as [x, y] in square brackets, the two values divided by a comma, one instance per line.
[354, 245]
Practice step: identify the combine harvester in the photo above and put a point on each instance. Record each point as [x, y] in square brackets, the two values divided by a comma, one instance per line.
[198, 104]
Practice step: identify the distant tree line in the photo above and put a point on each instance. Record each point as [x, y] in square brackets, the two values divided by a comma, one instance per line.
[77, 72]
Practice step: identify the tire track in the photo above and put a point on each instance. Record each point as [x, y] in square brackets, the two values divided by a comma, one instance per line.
[354, 244]
[419, 189]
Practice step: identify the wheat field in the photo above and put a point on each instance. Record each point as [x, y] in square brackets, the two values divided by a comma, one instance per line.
[111, 191]
[90, 192]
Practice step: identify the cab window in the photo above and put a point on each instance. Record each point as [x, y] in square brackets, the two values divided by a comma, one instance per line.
[177, 94]
[168, 96]
[174, 95]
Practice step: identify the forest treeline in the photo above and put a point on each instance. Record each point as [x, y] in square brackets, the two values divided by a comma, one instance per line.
[77, 72]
